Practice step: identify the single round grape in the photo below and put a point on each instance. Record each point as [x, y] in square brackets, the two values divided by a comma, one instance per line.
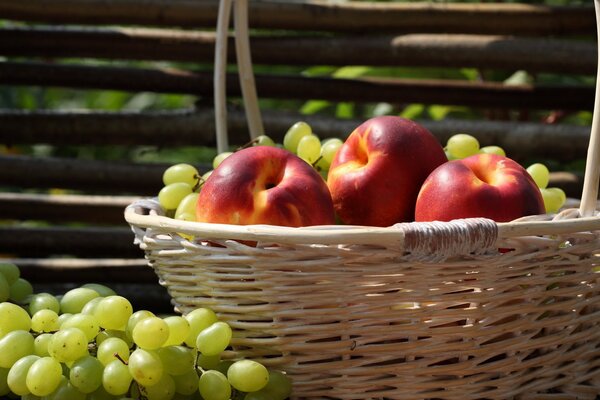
[163, 390]
[554, 199]
[13, 317]
[540, 174]
[90, 306]
[294, 134]
[116, 378]
[213, 385]
[44, 321]
[100, 394]
[109, 349]
[145, 367]
[187, 205]
[40, 344]
[65, 391]
[151, 333]
[62, 318]
[4, 389]
[208, 362]
[103, 290]
[20, 290]
[462, 145]
[179, 330]
[43, 301]
[199, 319]
[187, 383]
[74, 300]
[264, 140]
[185, 173]
[330, 148]
[309, 148]
[68, 344]
[219, 158]
[17, 375]
[499, 151]
[44, 376]
[109, 333]
[113, 312]
[171, 195]
[4, 288]
[134, 319]
[86, 374]
[214, 339]
[87, 323]
[177, 360]
[248, 375]
[15, 345]
[279, 385]
[10, 271]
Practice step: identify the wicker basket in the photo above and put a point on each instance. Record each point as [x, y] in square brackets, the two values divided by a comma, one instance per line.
[412, 311]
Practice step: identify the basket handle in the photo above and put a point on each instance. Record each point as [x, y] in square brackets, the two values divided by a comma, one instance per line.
[589, 197]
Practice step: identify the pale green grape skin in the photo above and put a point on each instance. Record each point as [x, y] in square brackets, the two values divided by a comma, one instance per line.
[100, 394]
[62, 318]
[116, 378]
[20, 290]
[111, 346]
[179, 330]
[90, 306]
[187, 383]
[65, 391]
[4, 389]
[187, 205]
[540, 174]
[113, 312]
[497, 150]
[554, 199]
[4, 288]
[177, 360]
[209, 362]
[294, 134]
[86, 374]
[17, 375]
[15, 345]
[10, 271]
[213, 385]
[145, 367]
[264, 140]
[74, 300]
[135, 318]
[248, 375]
[199, 319]
[171, 195]
[279, 385]
[13, 317]
[462, 145]
[103, 290]
[214, 339]
[163, 390]
[44, 376]
[182, 172]
[40, 344]
[309, 148]
[44, 321]
[43, 301]
[223, 366]
[219, 158]
[150, 333]
[105, 334]
[68, 344]
[203, 179]
[329, 149]
[87, 323]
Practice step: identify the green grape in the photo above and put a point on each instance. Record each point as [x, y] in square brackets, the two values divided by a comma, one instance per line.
[105, 334]
[219, 158]
[103, 290]
[4, 288]
[199, 319]
[499, 151]
[62, 318]
[203, 179]
[90, 306]
[171, 195]
[462, 145]
[214, 339]
[20, 290]
[4, 389]
[309, 148]
[10, 271]
[540, 174]
[177, 360]
[113, 312]
[179, 330]
[44, 321]
[264, 140]
[15, 345]
[279, 386]
[30, 396]
[65, 391]
[13, 317]
[44, 376]
[187, 205]
[554, 199]
[68, 344]
[330, 148]
[100, 394]
[109, 349]
[150, 333]
[74, 300]
[43, 301]
[248, 375]
[294, 134]
[209, 362]
[163, 390]
[187, 383]
[116, 378]
[87, 323]
[223, 366]
[134, 319]
[17, 374]
[145, 367]
[214, 385]
[40, 344]
[86, 374]
[185, 173]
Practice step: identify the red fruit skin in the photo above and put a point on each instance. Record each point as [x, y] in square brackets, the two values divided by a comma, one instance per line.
[482, 185]
[265, 185]
[376, 175]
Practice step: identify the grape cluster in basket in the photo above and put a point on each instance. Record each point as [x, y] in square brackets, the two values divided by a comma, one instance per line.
[89, 344]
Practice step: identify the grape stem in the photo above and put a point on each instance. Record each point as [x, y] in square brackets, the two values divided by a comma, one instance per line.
[118, 357]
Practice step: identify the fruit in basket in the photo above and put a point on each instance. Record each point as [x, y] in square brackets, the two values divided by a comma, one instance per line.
[265, 185]
[482, 185]
[375, 176]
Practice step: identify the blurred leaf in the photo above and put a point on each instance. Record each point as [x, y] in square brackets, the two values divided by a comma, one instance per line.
[314, 106]
[413, 111]
[351, 72]
[344, 110]
[519, 78]
[382, 109]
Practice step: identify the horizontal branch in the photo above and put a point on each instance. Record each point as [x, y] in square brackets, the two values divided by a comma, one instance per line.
[367, 90]
[317, 15]
[429, 50]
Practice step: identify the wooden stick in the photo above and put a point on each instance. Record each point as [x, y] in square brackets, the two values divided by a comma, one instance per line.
[220, 70]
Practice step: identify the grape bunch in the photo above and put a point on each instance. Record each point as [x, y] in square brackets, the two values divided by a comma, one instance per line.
[462, 145]
[90, 344]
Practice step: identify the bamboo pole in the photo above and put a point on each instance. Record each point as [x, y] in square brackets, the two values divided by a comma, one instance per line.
[220, 70]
